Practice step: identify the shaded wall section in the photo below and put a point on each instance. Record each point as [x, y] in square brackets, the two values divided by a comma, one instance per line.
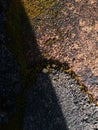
[22, 41]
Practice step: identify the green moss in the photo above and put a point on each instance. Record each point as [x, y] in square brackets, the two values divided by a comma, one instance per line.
[50, 41]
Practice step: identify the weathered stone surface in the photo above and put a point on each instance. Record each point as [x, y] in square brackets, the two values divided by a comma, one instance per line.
[68, 32]
[61, 34]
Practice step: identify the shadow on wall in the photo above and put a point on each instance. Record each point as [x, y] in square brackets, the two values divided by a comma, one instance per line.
[43, 104]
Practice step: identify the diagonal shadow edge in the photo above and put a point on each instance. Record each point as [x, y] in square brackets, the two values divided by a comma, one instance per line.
[19, 43]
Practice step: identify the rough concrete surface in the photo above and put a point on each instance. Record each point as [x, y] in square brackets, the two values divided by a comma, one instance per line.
[55, 102]
[68, 31]
[65, 30]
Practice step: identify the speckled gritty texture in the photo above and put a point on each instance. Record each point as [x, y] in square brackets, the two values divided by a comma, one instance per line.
[66, 31]
[55, 101]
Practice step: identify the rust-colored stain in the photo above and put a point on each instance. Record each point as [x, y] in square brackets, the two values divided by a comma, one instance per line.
[68, 31]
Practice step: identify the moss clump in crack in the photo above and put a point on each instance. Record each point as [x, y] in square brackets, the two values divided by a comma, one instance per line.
[50, 41]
